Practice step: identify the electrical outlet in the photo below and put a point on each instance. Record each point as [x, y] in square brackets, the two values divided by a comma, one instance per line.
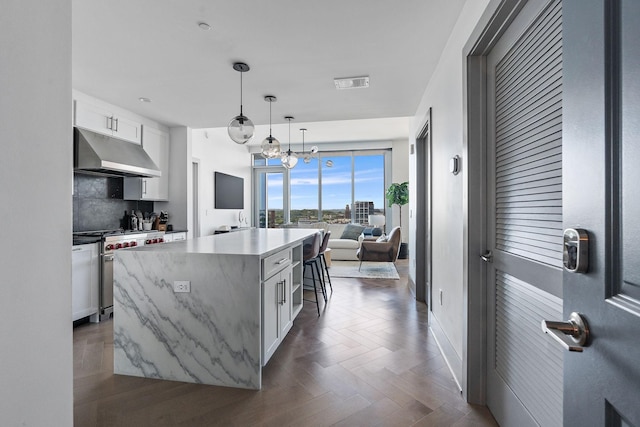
[181, 286]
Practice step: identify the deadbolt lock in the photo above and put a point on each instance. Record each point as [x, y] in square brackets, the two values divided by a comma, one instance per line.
[575, 250]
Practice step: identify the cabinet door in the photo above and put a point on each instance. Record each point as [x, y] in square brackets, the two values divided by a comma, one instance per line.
[94, 118]
[102, 120]
[286, 307]
[127, 129]
[156, 144]
[271, 296]
[179, 236]
[84, 280]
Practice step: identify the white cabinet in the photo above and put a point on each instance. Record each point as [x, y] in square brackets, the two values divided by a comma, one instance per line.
[85, 279]
[156, 144]
[281, 297]
[102, 120]
[277, 316]
[175, 237]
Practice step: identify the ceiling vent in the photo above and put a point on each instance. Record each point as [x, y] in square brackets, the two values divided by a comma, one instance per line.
[352, 82]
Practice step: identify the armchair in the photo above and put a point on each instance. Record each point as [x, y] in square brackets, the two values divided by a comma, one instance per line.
[381, 251]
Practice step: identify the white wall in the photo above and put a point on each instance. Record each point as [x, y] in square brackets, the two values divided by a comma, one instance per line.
[36, 359]
[218, 153]
[444, 95]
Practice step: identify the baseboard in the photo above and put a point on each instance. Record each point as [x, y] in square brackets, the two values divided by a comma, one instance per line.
[451, 358]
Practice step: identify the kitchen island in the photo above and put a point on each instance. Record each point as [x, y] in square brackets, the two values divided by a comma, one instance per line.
[210, 310]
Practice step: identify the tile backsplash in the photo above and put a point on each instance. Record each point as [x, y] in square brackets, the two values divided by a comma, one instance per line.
[98, 204]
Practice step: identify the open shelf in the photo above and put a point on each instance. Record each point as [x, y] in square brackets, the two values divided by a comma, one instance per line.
[296, 288]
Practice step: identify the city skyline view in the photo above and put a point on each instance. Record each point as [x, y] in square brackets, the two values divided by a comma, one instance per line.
[368, 183]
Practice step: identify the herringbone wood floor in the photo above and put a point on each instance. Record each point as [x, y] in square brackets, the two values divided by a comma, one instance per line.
[367, 361]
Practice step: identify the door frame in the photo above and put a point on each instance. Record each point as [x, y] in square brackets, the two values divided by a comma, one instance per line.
[195, 189]
[497, 17]
[422, 290]
[255, 189]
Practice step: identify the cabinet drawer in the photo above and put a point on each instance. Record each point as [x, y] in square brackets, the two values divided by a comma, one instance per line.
[276, 262]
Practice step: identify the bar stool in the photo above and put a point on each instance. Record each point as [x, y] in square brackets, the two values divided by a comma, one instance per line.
[323, 260]
[310, 255]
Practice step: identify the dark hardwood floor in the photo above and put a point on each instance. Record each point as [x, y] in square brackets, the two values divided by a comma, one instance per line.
[369, 360]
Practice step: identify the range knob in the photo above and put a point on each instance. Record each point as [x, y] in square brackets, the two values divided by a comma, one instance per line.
[109, 247]
[155, 240]
[118, 245]
[126, 244]
[161, 240]
[148, 241]
[134, 244]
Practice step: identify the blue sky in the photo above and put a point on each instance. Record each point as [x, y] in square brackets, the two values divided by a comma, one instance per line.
[336, 183]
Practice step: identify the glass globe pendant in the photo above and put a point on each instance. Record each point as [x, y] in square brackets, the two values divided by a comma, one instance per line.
[240, 128]
[307, 156]
[270, 147]
[289, 158]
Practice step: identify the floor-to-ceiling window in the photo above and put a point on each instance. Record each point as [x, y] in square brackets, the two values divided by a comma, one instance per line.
[337, 187]
[334, 187]
[304, 179]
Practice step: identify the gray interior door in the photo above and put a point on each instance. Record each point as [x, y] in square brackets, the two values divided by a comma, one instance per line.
[602, 196]
[524, 217]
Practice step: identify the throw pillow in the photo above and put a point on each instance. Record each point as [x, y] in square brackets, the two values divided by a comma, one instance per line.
[376, 232]
[368, 231]
[352, 231]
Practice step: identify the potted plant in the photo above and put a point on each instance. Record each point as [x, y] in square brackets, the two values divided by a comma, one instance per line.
[398, 194]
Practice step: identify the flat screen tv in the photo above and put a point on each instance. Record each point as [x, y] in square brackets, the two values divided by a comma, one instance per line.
[229, 191]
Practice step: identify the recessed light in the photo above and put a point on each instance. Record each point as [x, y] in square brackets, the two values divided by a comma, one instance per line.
[351, 82]
[204, 26]
[142, 99]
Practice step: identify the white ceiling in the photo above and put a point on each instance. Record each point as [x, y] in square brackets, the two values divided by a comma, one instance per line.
[126, 49]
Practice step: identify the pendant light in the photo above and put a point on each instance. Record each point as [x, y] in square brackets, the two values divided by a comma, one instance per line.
[306, 157]
[289, 158]
[270, 146]
[240, 128]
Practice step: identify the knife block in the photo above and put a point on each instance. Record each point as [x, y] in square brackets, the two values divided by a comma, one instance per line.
[160, 226]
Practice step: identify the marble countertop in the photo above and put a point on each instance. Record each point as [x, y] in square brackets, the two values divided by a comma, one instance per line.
[256, 241]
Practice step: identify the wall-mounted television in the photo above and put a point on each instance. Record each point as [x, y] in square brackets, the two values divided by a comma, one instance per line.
[228, 191]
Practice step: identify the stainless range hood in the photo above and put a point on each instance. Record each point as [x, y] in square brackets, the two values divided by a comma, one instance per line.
[106, 156]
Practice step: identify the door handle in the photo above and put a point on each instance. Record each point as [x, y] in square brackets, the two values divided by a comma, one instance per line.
[279, 292]
[572, 334]
[487, 256]
[284, 291]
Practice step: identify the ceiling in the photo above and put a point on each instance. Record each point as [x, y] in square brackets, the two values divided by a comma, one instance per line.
[127, 49]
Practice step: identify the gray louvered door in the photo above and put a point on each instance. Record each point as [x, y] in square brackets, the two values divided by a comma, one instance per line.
[525, 217]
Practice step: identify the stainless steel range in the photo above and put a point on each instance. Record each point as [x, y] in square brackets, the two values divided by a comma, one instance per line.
[111, 241]
[110, 244]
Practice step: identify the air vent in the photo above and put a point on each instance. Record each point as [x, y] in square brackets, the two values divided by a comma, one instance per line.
[352, 82]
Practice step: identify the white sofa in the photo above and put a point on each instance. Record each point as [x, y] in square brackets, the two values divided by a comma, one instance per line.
[341, 249]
